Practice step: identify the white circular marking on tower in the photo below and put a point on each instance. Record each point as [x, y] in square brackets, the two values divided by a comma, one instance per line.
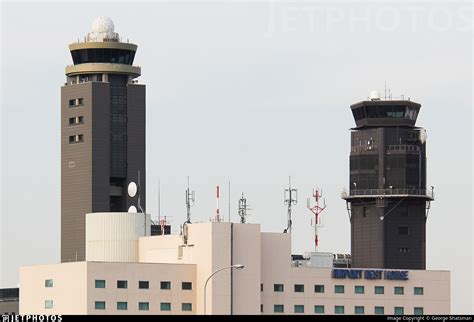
[132, 209]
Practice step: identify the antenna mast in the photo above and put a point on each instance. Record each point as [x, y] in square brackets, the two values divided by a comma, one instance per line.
[218, 219]
[290, 198]
[243, 209]
[190, 199]
[316, 210]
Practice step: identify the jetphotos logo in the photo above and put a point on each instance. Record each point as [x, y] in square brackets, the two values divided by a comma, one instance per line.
[31, 318]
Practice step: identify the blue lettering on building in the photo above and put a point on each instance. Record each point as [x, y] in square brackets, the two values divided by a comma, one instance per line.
[369, 274]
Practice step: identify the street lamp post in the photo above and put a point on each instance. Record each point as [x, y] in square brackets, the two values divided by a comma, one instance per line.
[236, 266]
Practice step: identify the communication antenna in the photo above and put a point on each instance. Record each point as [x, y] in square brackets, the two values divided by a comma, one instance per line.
[290, 199]
[316, 210]
[218, 219]
[159, 200]
[243, 209]
[190, 200]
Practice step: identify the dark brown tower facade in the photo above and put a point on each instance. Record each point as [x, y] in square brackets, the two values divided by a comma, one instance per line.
[387, 198]
[102, 133]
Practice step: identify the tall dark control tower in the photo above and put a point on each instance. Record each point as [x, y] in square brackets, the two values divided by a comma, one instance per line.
[387, 198]
[102, 133]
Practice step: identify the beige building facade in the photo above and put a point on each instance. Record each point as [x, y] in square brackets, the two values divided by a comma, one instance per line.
[171, 272]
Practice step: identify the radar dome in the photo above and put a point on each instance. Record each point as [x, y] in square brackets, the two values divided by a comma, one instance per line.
[374, 95]
[103, 24]
[102, 30]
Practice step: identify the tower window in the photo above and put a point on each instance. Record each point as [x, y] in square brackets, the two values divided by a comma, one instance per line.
[187, 285]
[76, 102]
[278, 308]
[143, 284]
[78, 138]
[48, 304]
[404, 250]
[76, 120]
[122, 284]
[318, 288]
[403, 231]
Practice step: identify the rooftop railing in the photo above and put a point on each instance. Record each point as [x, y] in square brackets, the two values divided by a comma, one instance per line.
[390, 192]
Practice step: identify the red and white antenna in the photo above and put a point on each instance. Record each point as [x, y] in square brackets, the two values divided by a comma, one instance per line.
[316, 210]
[217, 204]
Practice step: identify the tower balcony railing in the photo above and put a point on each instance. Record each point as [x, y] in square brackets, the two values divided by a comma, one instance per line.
[404, 147]
[387, 193]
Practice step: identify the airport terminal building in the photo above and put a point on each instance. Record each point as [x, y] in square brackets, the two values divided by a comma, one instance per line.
[166, 275]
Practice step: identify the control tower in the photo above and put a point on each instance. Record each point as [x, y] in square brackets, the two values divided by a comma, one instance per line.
[387, 199]
[102, 133]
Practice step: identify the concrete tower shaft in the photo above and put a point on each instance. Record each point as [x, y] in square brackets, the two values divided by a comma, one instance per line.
[102, 133]
[387, 196]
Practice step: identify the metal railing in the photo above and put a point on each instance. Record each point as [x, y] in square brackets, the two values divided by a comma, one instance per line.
[386, 192]
[403, 147]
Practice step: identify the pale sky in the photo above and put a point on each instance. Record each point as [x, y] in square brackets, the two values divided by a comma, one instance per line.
[250, 92]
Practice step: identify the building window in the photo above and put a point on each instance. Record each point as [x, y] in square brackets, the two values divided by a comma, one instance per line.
[143, 306]
[319, 309]
[186, 306]
[122, 284]
[398, 290]
[379, 290]
[418, 311]
[358, 310]
[358, 289]
[261, 287]
[261, 308]
[187, 286]
[299, 288]
[379, 310]
[76, 102]
[100, 284]
[318, 288]
[338, 288]
[278, 308]
[76, 120]
[404, 250]
[122, 305]
[278, 287]
[99, 305]
[165, 285]
[48, 283]
[76, 138]
[339, 309]
[48, 304]
[403, 231]
[398, 310]
[299, 308]
[165, 306]
[418, 291]
[143, 284]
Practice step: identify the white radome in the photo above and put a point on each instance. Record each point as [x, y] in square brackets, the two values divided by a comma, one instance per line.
[102, 30]
[103, 25]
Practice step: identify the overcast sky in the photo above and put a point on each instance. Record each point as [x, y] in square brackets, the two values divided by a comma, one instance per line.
[251, 93]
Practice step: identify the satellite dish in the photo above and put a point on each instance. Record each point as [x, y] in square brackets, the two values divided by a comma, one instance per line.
[422, 136]
[132, 209]
[132, 189]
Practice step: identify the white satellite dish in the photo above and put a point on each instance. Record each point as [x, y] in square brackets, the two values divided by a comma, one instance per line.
[132, 189]
[132, 209]
[422, 136]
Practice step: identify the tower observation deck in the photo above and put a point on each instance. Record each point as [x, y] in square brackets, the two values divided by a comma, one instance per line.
[387, 199]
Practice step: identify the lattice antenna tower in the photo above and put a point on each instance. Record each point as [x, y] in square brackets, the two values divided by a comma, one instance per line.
[317, 209]
[190, 201]
[290, 199]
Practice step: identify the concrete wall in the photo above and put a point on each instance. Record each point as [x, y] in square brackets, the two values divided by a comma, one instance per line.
[69, 291]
